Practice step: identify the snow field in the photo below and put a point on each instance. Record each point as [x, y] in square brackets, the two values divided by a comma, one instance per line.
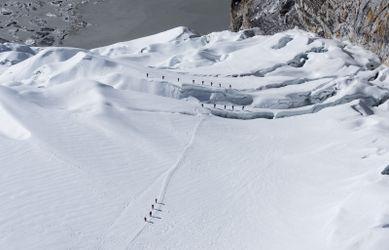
[88, 140]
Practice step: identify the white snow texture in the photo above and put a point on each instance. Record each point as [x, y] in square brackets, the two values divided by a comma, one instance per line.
[247, 141]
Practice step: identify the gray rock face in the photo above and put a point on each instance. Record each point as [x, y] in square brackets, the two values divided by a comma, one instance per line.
[364, 22]
[271, 16]
[37, 22]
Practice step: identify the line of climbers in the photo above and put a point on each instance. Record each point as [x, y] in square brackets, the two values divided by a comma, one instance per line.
[225, 106]
[203, 83]
[193, 81]
[153, 209]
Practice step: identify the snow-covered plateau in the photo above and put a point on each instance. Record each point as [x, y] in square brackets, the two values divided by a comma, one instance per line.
[246, 141]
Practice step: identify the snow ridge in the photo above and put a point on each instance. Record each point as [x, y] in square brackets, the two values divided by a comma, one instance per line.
[290, 73]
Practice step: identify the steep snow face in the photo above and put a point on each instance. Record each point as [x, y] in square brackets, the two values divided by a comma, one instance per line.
[10, 126]
[88, 140]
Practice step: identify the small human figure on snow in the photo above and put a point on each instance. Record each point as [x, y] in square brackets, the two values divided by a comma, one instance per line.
[156, 200]
[151, 214]
[145, 219]
[152, 207]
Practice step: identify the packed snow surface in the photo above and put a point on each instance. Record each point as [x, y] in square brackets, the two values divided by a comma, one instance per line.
[88, 140]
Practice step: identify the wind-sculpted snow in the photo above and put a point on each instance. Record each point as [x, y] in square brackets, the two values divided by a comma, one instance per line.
[89, 140]
[11, 127]
[286, 74]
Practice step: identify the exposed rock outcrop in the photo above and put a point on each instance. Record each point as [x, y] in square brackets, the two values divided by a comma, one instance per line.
[39, 23]
[364, 22]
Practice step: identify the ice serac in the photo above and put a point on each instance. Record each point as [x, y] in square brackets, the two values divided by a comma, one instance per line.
[360, 21]
[241, 75]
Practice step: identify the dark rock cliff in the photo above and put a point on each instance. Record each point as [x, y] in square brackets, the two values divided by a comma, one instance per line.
[364, 22]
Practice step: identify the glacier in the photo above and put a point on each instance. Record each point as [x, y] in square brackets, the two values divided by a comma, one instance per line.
[247, 141]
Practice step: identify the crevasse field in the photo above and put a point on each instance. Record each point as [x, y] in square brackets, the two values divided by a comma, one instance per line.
[284, 151]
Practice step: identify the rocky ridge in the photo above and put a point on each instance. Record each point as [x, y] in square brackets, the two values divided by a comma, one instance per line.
[364, 22]
[39, 23]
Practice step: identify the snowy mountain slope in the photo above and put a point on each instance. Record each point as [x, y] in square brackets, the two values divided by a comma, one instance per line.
[88, 140]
